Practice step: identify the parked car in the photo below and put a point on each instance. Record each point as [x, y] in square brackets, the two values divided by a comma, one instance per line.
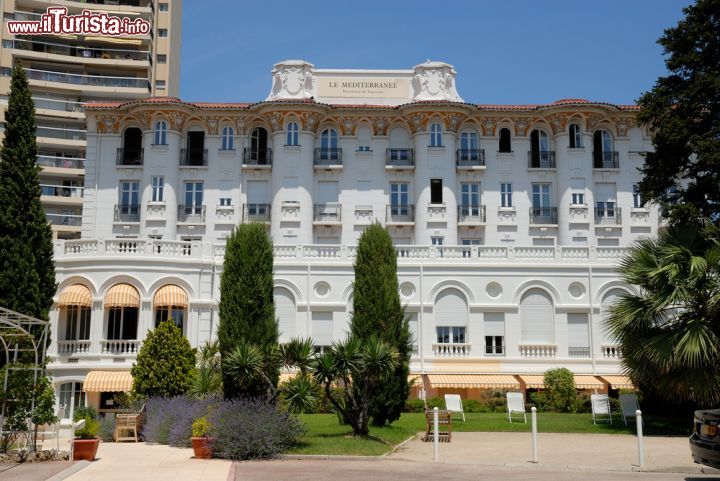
[705, 439]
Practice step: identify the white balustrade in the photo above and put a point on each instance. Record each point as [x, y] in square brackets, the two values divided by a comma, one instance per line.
[451, 349]
[453, 252]
[173, 248]
[319, 251]
[537, 350]
[610, 351]
[285, 251]
[412, 252]
[492, 252]
[73, 347]
[124, 246]
[120, 347]
[80, 247]
[610, 252]
[534, 252]
[574, 252]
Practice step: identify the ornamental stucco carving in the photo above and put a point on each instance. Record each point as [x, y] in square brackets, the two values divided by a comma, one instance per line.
[292, 80]
[435, 81]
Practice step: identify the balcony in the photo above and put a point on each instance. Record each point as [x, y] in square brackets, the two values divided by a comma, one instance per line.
[610, 351]
[193, 158]
[127, 213]
[60, 162]
[543, 216]
[327, 214]
[87, 54]
[191, 214]
[606, 160]
[469, 159]
[451, 349]
[537, 350]
[73, 347]
[86, 80]
[471, 214]
[328, 158]
[62, 133]
[69, 220]
[256, 213]
[399, 159]
[608, 216]
[69, 193]
[579, 352]
[400, 214]
[257, 159]
[129, 157]
[541, 159]
[120, 347]
[59, 105]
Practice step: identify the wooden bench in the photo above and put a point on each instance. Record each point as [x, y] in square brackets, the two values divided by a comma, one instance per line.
[127, 427]
[444, 426]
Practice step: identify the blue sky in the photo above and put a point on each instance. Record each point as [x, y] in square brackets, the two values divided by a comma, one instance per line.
[510, 51]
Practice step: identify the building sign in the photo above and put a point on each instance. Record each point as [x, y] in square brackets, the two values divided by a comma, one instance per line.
[363, 87]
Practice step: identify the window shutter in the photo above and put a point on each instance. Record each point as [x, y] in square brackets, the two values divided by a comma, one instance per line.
[536, 317]
[285, 313]
[494, 324]
[578, 333]
[322, 328]
[451, 309]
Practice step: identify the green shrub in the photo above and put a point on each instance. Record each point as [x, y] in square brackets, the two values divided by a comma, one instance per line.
[494, 400]
[582, 403]
[107, 429]
[414, 406]
[92, 425]
[200, 427]
[560, 393]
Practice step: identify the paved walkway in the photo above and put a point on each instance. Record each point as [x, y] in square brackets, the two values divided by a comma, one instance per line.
[32, 471]
[146, 462]
[577, 451]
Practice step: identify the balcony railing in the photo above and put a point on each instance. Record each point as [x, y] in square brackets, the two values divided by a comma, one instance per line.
[194, 158]
[61, 105]
[257, 157]
[120, 347]
[330, 212]
[541, 159]
[399, 157]
[256, 213]
[400, 213]
[606, 160]
[60, 162]
[191, 214]
[608, 216]
[611, 351]
[538, 350]
[61, 191]
[470, 158]
[84, 79]
[471, 214]
[328, 156]
[446, 349]
[129, 157]
[73, 347]
[543, 215]
[62, 133]
[81, 51]
[73, 220]
[578, 352]
[127, 213]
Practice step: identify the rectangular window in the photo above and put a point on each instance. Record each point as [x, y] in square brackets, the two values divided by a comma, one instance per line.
[77, 324]
[541, 196]
[436, 189]
[158, 189]
[637, 198]
[160, 84]
[225, 201]
[450, 334]
[494, 326]
[162, 32]
[161, 58]
[129, 193]
[506, 199]
[292, 134]
[399, 201]
[193, 197]
[577, 188]
[163, 7]
[437, 240]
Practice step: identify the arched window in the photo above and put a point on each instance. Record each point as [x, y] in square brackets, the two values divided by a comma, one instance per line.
[329, 145]
[575, 135]
[468, 153]
[286, 313]
[74, 303]
[160, 137]
[131, 151]
[451, 320]
[435, 135]
[293, 130]
[603, 155]
[259, 151]
[170, 302]
[504, 144]
[540, 155]
[228, 138]
[70, 397]
[122, 303]
[537, 318]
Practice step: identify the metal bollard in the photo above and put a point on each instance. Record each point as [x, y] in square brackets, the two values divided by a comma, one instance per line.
[436, 434]
[641, 447]
[533, 424]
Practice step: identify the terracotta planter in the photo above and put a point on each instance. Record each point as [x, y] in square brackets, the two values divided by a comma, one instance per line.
[85, 449]
[203, 447]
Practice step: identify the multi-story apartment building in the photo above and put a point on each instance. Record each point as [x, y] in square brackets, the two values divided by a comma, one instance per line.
[65, 71]
[508, 221]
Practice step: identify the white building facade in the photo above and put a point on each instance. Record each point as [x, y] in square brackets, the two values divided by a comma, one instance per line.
[508, 220]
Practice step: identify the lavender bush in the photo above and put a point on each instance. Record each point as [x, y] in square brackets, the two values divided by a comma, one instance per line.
[252, 429]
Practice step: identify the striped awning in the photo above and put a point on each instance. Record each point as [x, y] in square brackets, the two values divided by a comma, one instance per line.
[108, 381]
[75, 295]
[122, 295]
[415, 379]
[170, 296]
[498, 381]
[618, 382]
[533, 381]
[588, 382]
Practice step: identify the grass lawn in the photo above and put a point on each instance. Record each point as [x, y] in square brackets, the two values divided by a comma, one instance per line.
[326, 436]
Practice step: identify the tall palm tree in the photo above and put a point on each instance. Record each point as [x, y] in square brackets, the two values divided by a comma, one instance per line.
[670, 333]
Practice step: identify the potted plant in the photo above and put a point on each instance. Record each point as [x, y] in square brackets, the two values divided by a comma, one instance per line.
[202, 444]
[86, 442]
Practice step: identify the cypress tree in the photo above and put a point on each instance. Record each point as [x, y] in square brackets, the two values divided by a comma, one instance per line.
[27, 272]
[377, 311]
[247, 308]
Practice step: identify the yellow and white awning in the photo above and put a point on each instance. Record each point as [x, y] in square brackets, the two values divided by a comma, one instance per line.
[108, 381]
[588, 382]
[122, 295]
[618, 382]
[473, 381]
[170, 296]
[75, 295]
[533, 381]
